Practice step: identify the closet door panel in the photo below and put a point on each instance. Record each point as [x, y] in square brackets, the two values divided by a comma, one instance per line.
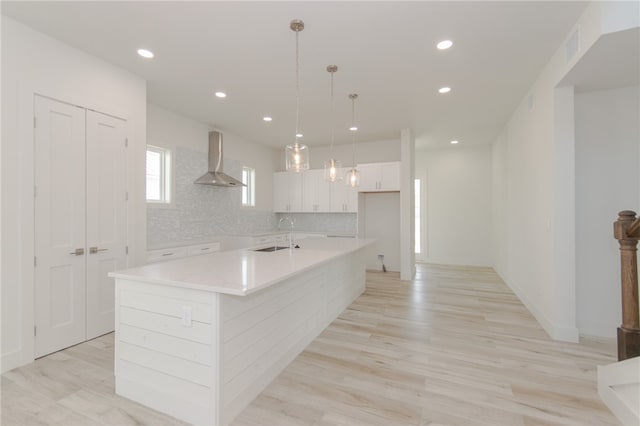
[60, 274]
[106, 217]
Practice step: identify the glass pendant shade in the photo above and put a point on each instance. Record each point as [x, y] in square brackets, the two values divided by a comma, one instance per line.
[297, 157]
[352, 178]
[332, 170]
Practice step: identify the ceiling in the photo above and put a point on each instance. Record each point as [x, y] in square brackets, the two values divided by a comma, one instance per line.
[385, 52]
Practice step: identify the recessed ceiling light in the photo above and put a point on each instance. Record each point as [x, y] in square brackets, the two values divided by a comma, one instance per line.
[444, 44]
[353, 128]
[298, 135]
[145, 53]
[221, 95]
[444, 89]
[454, 142]
[267, 118]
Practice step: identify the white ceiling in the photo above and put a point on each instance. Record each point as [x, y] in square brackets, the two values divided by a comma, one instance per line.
[385, 52]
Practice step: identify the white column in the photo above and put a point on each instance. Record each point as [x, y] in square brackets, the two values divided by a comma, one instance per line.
[407, 207]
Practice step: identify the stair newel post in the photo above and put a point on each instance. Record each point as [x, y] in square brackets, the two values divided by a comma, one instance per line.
[627, 231]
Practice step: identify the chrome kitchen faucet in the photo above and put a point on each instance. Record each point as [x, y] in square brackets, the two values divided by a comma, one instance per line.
[290, 231]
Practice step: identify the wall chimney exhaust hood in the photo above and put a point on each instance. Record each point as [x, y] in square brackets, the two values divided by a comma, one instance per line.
[215, 175]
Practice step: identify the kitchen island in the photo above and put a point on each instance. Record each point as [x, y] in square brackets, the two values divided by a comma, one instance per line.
[199, 338]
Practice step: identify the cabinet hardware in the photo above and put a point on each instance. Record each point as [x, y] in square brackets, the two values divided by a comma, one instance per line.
[78, 252]
[94, 250]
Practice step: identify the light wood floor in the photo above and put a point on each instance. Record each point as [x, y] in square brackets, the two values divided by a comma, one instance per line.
[452, 347]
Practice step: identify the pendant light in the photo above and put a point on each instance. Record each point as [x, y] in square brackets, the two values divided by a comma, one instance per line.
[352, 177]
[297, 154]
[332, 166]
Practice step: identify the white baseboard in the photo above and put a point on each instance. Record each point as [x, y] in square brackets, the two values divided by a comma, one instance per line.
[556, 332]
[10, 361]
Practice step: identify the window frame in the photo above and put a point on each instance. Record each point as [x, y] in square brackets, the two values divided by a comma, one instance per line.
[166, 177]
[249, 191]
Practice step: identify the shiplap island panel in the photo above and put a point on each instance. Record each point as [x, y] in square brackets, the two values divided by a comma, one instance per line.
[199, 338]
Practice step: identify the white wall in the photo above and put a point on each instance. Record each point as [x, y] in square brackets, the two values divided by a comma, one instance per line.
[379, 218]
[499, 184]
[458, 204]
[534, 229]
[33, 63]
[607, 177]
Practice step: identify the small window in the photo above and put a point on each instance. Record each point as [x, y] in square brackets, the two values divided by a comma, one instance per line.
[158, 175]
[248, 192]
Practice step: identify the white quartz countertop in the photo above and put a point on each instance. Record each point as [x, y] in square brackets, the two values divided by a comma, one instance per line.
[244, 271]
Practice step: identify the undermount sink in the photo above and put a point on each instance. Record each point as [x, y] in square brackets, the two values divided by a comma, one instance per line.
[276, 248]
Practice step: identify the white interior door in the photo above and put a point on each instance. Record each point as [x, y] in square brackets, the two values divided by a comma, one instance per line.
[106, 217]
[60, 272]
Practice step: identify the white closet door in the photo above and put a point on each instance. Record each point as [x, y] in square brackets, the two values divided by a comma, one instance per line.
[59, 225]
[106, 217]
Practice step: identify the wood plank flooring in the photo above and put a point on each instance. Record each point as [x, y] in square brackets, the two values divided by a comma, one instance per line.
[452, 347]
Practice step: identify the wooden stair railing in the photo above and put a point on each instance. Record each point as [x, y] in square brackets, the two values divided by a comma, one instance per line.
[627, 231]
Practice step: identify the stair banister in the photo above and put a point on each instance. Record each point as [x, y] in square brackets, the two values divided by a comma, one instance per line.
[627, 231]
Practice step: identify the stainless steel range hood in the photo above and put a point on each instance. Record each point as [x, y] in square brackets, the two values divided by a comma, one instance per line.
[216, 175]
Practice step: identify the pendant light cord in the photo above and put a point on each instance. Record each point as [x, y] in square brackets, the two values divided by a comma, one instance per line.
[297, 90]
[353, 134]
[332, 119]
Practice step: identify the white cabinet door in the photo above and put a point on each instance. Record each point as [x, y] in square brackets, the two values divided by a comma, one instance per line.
[106, 217]
[60, 274]
[316, 192]
[390, 176]
[344, 199]
[369, 176]
[379, 177]
[287, 192]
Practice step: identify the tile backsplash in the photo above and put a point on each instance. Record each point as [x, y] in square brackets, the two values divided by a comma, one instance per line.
[202, 212]
[328, 223]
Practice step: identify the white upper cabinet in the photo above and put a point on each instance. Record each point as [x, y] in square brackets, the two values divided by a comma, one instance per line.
[287, 192]
[316, 192]
[379, 177]
[308, 192]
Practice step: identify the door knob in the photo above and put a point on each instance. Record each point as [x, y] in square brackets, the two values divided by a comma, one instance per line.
[78, 252]
[94, 250]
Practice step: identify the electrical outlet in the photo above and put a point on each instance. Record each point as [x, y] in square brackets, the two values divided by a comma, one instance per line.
[186, 316]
